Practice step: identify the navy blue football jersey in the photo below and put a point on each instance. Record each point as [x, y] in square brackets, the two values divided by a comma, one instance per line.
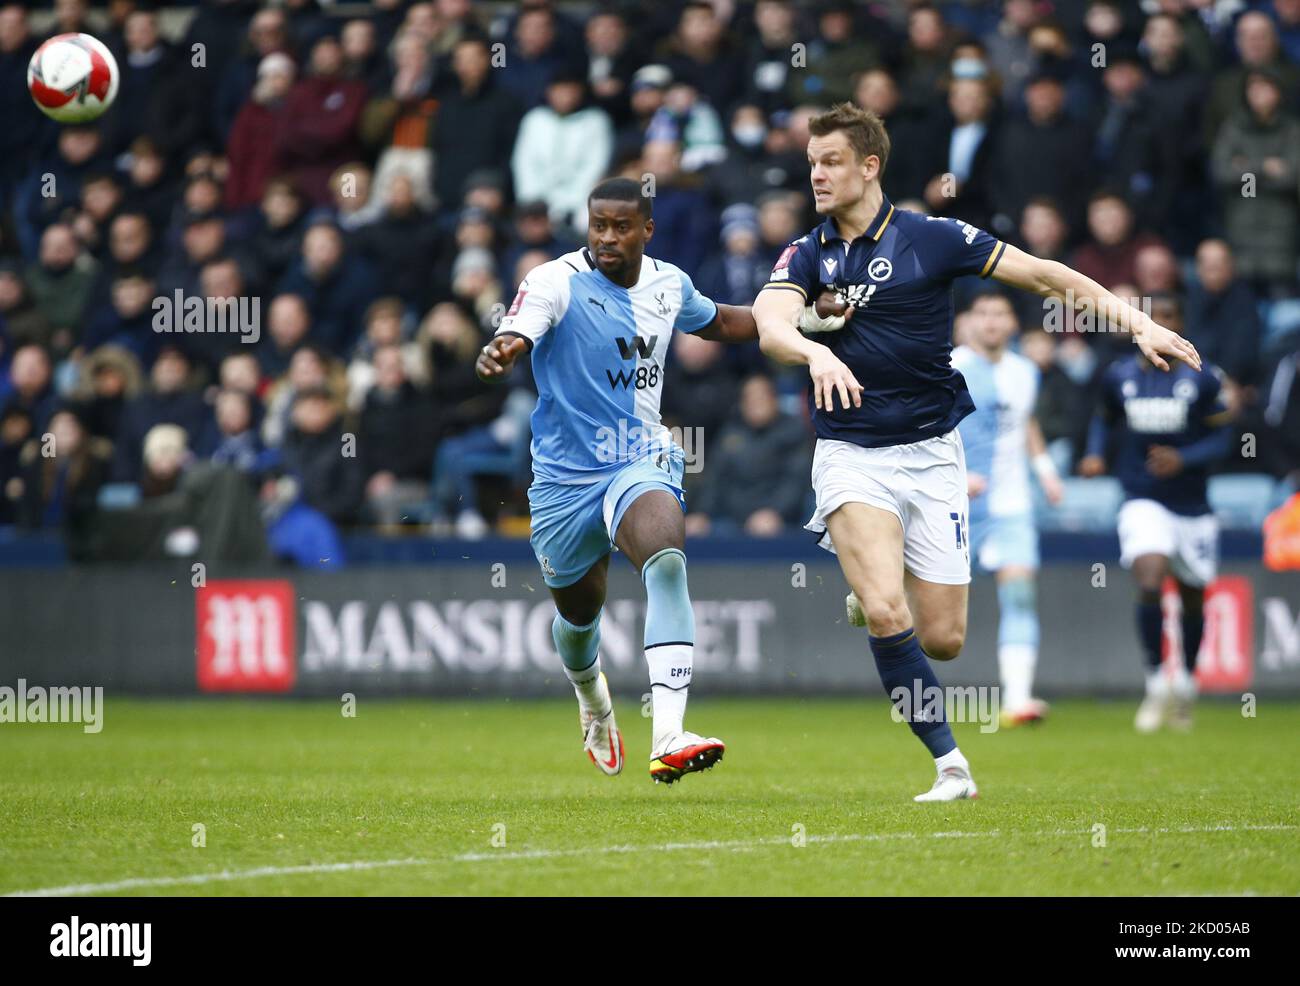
[898, 277]
[1141, 406]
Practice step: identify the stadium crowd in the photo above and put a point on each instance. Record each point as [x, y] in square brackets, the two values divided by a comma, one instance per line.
[364, 189]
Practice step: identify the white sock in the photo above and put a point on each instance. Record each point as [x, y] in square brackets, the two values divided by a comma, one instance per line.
[670, 677]
[952, 758]
[1016, 669]
[586, 684]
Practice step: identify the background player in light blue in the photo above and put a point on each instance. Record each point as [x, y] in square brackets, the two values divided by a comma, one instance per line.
[1002, 440]
[606, 472]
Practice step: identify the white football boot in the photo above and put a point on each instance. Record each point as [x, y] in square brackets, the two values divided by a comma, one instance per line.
[952, 784]
[600, 736]
[1156, 707]
[1183, 699]
[853, 606]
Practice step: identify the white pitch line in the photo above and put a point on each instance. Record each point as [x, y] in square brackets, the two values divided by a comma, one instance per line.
[733, 845]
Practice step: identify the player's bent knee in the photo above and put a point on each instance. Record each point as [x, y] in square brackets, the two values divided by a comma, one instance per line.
[885, 617]
[943, 645]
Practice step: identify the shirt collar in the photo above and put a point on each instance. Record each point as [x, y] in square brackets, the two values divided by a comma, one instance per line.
[882, 218]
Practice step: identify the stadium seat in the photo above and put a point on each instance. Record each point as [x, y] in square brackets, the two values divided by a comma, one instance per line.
[1089, 505]
[1242, 500]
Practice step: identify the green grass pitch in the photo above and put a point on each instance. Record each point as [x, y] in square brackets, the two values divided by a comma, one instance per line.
[497, 797]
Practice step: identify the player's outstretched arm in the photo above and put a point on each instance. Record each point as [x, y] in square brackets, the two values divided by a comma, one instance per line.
[498, 356]
[733, 323]
[1055, 280]
[776, 313]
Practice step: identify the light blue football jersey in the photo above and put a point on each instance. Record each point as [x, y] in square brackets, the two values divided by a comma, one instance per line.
[996, 434]
[598, 352]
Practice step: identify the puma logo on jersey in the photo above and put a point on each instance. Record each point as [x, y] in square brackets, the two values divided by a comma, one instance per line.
[600, 305]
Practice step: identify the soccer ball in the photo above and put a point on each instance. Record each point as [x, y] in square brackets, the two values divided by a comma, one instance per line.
[72, 78]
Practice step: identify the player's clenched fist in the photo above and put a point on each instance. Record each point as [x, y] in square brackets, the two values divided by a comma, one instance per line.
[496, 358]
[829, 377]
[828, 313]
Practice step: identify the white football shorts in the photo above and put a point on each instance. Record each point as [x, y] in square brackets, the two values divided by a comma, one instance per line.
[1190, 543]
[922, 484]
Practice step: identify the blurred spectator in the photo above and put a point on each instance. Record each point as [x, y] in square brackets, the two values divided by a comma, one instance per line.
[612, 60]
[108, 378]
[15, 430]
[1043, 153]
[475, 283]
[1109, 254]
[689, 121]
[756, 469]
[738, 273]
[318, 130]
[386, 325]
[835, 54]
[533, 55]
[1255, 161]
[396, 437]
[267, 33]
[314, 452]
[685, 225]
[477, 120]
[238, 444]
[963, 187]
[61, 479]
[768, 68]
[167, 401]
[31, 389]
[925, 57]
[288, 329]
[53, 186]
[336, 285]
[1155, 270]
[1130, 146]
[400, 243]
[60, 283]
[277, 231]
[20, 320]
[400, 122]
[701, 55]
[562, 150]
[1258, 49]
[149, 190]
[1063, 405]
[310, 368]
[534, 230]
[128, 321]
[253, 149]
[1222, 321]
[1044, 233]
[1008, 47]
[917, 150]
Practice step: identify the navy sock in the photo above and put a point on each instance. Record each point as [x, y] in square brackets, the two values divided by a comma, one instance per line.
[1150, 620]
[914, 688]
[1193, 631]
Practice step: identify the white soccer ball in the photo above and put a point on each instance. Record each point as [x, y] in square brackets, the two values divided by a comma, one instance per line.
[73, 78]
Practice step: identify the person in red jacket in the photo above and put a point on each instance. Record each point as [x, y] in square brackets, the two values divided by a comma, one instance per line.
[253, 158]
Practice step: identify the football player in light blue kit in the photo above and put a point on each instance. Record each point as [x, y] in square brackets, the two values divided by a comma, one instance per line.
[598, 323]
[1002, 440]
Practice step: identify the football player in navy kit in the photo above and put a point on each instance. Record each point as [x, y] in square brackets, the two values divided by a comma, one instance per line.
[889, 472]
[1163, 430]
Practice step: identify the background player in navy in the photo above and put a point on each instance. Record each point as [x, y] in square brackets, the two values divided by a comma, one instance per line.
[1163, 431]
[889, 471]
[599, 322]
